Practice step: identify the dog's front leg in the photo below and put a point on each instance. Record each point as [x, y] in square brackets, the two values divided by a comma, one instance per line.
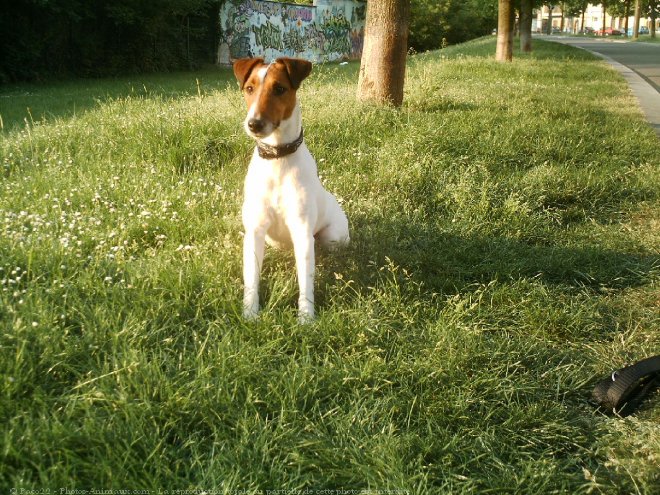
[303, 246]
[253, 257]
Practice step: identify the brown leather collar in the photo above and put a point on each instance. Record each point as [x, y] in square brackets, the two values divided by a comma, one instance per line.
[269, 152]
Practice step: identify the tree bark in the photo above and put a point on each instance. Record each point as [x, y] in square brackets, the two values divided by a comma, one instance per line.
[604, 19]
[638, 15]
[383, 63]
[504, 52]
[526, 26]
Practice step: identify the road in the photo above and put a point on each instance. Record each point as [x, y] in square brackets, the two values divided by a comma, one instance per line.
[643, 58]
[639, 63]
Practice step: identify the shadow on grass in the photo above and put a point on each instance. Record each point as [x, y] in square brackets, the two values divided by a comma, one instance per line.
[34, 102]
[445, 262]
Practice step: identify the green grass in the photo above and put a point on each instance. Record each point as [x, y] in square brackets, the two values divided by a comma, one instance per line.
[505, 256]
[647, 38]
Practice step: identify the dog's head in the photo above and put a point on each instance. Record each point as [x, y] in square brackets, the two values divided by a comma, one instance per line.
[269, 90]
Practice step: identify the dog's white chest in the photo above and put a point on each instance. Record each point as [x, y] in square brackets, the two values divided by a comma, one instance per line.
[274, 196]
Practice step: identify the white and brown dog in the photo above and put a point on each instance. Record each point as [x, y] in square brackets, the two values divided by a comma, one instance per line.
[285, 203]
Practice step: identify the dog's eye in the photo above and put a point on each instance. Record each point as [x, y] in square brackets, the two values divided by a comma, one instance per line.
[249, 90]
[279, 90]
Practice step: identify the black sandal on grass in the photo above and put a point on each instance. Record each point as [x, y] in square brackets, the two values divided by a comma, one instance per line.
[622, 392]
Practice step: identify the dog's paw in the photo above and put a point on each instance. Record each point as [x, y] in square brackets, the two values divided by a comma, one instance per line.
[305, 312]
[250, 313]
[305, 318]
[250, 305]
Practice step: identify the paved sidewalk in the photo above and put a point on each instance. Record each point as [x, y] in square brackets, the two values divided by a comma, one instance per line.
[639, 63]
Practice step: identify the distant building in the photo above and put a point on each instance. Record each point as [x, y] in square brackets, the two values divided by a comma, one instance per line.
[592, 20]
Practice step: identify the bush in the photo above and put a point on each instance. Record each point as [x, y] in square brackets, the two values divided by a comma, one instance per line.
[94, 37]
[453, 20]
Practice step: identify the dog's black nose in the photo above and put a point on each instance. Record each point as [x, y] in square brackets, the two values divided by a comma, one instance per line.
[256, 125]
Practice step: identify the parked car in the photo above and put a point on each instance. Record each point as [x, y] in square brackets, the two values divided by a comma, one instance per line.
[588, 30]
[609, 32]
[642, 30]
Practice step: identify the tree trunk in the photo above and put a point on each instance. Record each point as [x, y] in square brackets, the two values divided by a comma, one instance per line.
[604, 19]
[549, 26]
[638, 15]
[653, 20]
[526, 26]
[383, 63]
[582, 22]
[504, 52]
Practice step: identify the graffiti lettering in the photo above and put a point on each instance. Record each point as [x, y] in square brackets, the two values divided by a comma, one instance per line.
[269, 9]
[336, 29]
[268, 36]
[339, 44]
[302, 13]
[315, 38]
[294, 41]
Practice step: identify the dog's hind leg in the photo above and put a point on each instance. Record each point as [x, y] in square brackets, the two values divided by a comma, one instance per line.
[335, 234]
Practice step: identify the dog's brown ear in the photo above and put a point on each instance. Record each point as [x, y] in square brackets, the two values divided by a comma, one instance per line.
[297, 68]
[243, 67]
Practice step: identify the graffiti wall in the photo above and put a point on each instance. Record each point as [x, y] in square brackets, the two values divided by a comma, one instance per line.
[329, 30]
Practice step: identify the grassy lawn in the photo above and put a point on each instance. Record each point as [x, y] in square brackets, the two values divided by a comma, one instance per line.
[647, 38]
[505, 255]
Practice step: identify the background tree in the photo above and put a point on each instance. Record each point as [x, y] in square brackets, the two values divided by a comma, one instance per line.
[581, 9]
[651, 9]
[526, 8]
[504, 50]
[548, 27]
[620, 8]
[638, 15]
[577, 8]
[383, 63]
[563, 6]
[626, 16]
